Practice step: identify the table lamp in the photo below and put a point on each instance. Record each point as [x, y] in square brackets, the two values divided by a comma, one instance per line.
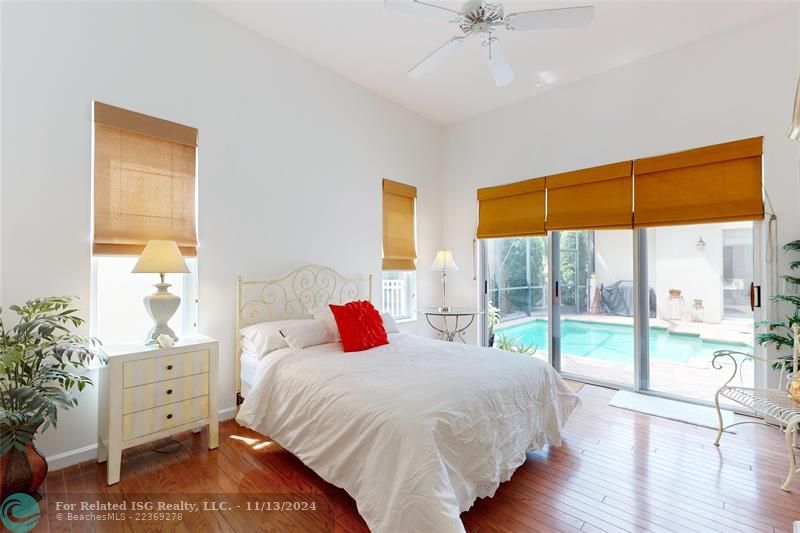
[161, 257]
[444, 262]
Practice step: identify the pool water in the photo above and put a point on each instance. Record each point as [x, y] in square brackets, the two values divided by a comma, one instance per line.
[612, 342]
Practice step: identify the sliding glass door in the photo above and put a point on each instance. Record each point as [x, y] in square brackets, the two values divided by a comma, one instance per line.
[702, 276]
[642, 309]
[517, 294]
[595, 295]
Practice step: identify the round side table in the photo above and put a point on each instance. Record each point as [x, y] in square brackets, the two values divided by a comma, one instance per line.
[463, 318]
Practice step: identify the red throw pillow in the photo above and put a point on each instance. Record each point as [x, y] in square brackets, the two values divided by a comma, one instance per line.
[360, 326]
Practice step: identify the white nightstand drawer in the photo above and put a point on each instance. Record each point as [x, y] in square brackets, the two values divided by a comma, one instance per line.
[164, 392]
[162, 368]
[153, 420]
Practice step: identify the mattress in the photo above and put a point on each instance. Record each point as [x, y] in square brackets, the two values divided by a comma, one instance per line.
[414, 430]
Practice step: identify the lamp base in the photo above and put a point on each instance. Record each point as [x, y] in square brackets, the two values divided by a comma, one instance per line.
[161, 305]
[444, 309]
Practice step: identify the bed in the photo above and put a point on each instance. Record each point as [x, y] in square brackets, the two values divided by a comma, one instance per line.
[415, 430]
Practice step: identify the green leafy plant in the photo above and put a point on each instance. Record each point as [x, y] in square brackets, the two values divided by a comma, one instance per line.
[515, 344]
[779, 334]
[38, 359]
[493, 314]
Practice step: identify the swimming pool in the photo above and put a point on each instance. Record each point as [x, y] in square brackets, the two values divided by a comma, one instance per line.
[612, 342]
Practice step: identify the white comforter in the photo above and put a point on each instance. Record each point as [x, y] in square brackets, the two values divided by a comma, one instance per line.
[415, 430]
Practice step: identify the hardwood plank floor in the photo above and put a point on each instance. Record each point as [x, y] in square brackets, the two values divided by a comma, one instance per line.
[617, 471]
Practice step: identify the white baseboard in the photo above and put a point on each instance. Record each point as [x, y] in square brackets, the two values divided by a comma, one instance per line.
[71, 457]
[89, 453]
[227, 414]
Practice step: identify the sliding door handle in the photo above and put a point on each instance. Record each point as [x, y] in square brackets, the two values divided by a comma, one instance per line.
[755, 296]
[556, 289]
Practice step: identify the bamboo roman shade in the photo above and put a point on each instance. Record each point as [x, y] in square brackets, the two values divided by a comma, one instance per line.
[144, 182]
[399, 243]
[513, 210]
[593, 198]
[711, 184]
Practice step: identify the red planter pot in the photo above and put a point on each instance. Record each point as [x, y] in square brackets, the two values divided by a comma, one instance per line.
[22, 471]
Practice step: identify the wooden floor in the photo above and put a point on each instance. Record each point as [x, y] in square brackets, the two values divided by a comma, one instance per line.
[617, 471]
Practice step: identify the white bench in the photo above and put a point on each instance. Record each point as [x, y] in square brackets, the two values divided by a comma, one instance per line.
[776, 408]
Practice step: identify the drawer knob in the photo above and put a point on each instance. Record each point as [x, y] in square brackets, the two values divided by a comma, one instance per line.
[169, 391]
[169, 416]
[169, 367]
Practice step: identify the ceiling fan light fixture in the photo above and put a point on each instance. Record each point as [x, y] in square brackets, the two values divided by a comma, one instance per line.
[482, 18]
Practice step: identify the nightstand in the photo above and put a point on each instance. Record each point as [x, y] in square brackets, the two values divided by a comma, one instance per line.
[445, 331]
[148, 393]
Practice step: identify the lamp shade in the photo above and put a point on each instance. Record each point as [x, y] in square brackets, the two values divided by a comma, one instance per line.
[161, 257]
[444, 261]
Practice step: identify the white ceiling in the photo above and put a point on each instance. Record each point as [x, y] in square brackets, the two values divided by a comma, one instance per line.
[374, 47]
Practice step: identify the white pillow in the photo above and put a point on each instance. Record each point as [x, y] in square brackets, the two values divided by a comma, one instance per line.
[265, 337]
[389, 324]
[311, 333]
[248, 346]
[325, 315]
[275, 342]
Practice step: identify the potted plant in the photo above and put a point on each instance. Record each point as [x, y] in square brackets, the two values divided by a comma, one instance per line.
[515, 344]
[779, 334]
[493, 315]
[39, 356]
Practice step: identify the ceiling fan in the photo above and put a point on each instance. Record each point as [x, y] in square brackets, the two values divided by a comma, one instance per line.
[480, 18]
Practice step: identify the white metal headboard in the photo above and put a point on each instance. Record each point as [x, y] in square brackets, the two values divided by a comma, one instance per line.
[295, 295]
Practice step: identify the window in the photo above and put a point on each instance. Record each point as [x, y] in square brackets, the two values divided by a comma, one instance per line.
[143, 182]
[143, 188]
[117, 310]
[399, 226]
[399, 285]
[399, 292]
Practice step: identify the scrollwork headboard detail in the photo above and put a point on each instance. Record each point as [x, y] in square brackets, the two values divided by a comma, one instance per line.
[295, 295]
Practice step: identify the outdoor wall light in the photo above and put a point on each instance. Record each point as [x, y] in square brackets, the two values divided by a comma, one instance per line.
[700, 245]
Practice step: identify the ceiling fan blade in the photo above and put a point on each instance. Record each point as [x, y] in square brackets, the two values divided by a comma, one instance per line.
[417, 7]
[550, 19]
[498, 64]
[436, 57]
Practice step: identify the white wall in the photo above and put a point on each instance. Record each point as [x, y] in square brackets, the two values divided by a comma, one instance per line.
[613, 256]
[1, 154]
[680, 265]
[291, 156]
[730, 86]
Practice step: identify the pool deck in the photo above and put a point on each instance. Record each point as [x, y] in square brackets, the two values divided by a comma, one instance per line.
[695, 379]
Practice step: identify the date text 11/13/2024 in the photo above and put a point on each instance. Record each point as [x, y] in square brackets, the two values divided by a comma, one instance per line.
[185, 506]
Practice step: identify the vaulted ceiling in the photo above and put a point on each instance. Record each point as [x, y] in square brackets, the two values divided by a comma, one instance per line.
[374, 47]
